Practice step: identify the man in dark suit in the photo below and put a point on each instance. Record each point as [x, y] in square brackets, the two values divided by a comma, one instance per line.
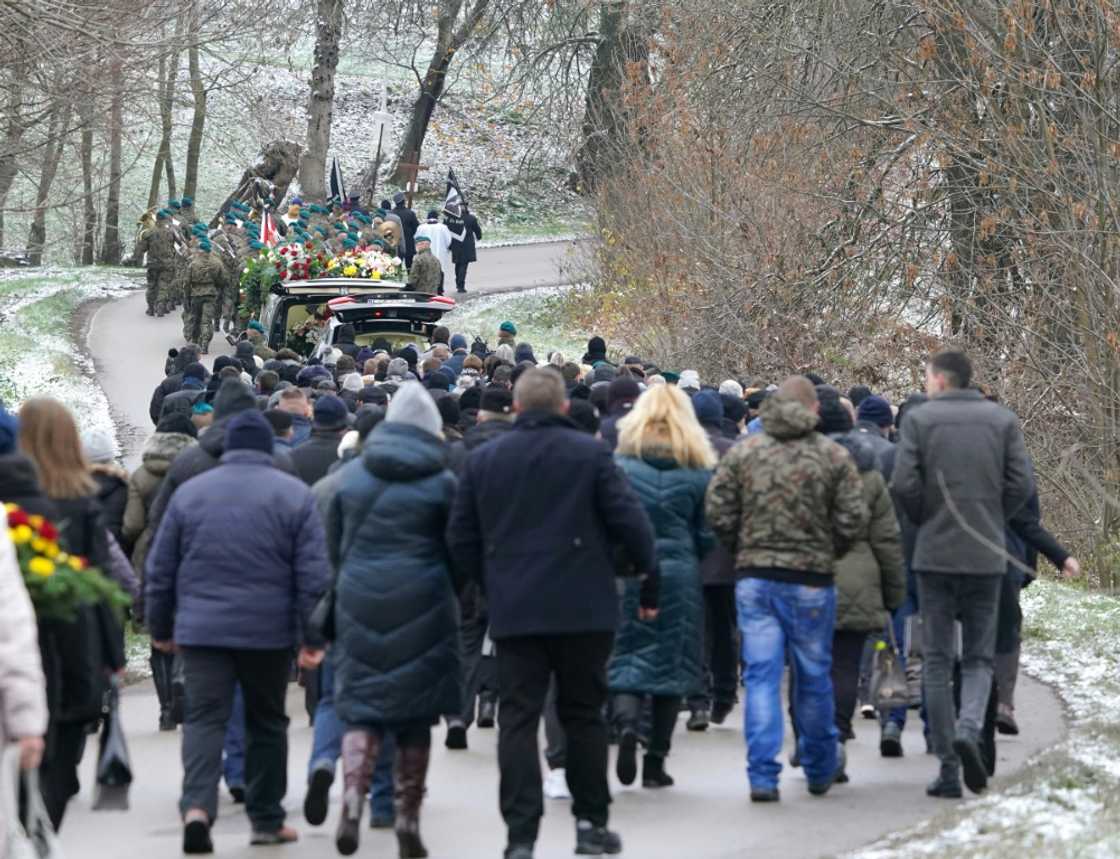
[409, 225]
[463, 250]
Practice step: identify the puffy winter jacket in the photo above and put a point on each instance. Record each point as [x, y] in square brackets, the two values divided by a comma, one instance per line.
[239, 560]
[870, 578]
[787, 498]
[159, 452]
[396, 651]
[664, 657]
[112, 492]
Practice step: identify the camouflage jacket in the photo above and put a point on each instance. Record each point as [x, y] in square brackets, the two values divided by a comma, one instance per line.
[426, 274]
[207, 275]
[159, 244]
[788, 497]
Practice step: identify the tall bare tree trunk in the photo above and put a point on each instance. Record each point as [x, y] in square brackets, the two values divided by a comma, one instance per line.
[449, 40]
[85, 152]
[320, 108]
[14, 127]
[168, 79]
[198, 91]
[111, 245]
[52, 154]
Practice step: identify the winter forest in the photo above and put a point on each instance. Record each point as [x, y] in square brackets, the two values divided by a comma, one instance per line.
[819, 184]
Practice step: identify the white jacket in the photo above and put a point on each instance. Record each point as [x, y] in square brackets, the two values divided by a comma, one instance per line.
[440, 237]
[23, 697]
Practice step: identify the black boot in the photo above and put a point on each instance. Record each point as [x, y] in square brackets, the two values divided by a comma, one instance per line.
[410, 774]
[653, 772]
[359, 755]
[487, 711]
[947, 785]
[627, 711]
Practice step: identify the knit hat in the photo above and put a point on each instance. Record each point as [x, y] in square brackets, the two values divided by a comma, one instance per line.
[496, 400]
[397, 367]
[331, 413]
[524, 352]
[414, 407]
[9, 431]
[731, 387]
[508, 327]
[623, 390]
[584, 415]
[352, 382]
[708, 407]
[458, 341]
[250, 430]
[98, 446]
[597, 346]
[606, 373]
[689, 381]
[876, 410]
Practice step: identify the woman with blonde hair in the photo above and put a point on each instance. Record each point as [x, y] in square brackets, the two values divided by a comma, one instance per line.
[79, 655]
[668, 459]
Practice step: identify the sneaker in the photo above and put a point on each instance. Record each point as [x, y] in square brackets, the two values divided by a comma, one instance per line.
[317, 801]
[868, 712]
[556, 785]
[1005, 721]
[594, 840]
[456, 736]
[518, 851]
[765, 794]
[975, 774]
[196, 838]
[283, 835]
[626, 767]
[890, 740]
[720, 712]
[698, 721]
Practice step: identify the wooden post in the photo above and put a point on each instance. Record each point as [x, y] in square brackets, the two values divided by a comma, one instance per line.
[410, 167]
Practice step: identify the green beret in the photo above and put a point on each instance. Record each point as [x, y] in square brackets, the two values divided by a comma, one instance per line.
[187, 201]
[508, 327]
[174, 204]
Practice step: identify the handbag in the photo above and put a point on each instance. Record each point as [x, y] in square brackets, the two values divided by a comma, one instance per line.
[114, 768]
[889, 689]
[36, 838]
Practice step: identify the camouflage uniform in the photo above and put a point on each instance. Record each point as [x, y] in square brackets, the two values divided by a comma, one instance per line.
[206, 279]
[226, 245]
[426, 274]
[787, 498]
[159, 245]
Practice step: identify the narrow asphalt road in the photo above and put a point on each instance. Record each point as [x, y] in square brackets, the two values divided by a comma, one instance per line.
[707, 815]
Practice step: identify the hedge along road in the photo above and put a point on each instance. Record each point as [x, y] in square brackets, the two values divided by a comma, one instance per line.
[707, 815]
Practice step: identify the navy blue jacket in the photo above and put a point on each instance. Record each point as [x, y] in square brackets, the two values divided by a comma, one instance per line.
[239, 560]
[396, 647]
[538, 514]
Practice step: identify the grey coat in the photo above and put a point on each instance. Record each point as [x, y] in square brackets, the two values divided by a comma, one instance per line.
[959, 444]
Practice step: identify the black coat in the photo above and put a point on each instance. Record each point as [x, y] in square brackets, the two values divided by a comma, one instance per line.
[717, 567]
[465, 250]
[409, 225]
[171, 385]
[112, 493]
[314, 458]
[396, 650]
[537, 517]
[19, 484]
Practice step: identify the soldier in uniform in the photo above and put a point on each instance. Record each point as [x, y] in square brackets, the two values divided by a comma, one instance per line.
[226, 243]
[206, 279]
[426, 274]
[158, 244]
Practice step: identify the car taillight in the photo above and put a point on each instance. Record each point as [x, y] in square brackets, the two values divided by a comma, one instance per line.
[442, 299]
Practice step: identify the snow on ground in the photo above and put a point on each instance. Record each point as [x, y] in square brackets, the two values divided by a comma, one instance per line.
[537, 313]
[1066, 803]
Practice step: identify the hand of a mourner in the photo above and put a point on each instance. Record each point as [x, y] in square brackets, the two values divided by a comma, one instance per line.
[1072, 568]
[164, 646]
[310, 658]
[30, 752]
[647, 614]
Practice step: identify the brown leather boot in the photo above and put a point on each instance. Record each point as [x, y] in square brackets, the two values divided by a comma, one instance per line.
[359, 754]
[409, 777]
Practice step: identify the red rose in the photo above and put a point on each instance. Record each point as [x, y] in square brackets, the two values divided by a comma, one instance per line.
[18, 517]
[48, 532]
[283, 275]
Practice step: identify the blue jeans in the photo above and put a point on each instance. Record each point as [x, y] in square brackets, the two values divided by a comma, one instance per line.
[774, 616]
[233, 750]
[326, 745]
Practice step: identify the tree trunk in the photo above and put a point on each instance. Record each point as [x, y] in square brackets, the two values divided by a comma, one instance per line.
[320, 108]
[448, 42]
[85, 151]
[14, 127]
[111, 245]
[52, 154]
[198, 90]
[168, 78]
[601, 112]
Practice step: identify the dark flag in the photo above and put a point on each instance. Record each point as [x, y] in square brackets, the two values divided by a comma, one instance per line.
[338, 189]
[455, 202]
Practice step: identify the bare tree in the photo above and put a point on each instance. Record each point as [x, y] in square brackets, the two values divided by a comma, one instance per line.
[328, 33]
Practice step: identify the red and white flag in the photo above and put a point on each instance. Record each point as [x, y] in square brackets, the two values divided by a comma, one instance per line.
[269, 234]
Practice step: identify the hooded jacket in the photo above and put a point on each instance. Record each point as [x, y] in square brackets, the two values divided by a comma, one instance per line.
[159, 452]
[870, 578]
[112, 492]
[788, 501]
[174, 381]
[396, 652]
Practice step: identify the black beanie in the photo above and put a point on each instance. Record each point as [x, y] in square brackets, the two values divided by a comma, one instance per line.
[250, 430]
[179, 422]
[233, 397]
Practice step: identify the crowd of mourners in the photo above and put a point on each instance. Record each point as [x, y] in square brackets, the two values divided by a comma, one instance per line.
[472, 536]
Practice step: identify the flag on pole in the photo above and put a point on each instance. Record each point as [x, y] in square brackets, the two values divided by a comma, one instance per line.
[454, 203]
[269, 234]
[338, 188]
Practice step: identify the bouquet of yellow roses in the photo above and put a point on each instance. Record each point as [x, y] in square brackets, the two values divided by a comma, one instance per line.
[58, 583]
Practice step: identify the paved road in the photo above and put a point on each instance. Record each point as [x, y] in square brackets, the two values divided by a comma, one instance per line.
[707, 814]
[129, 348]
